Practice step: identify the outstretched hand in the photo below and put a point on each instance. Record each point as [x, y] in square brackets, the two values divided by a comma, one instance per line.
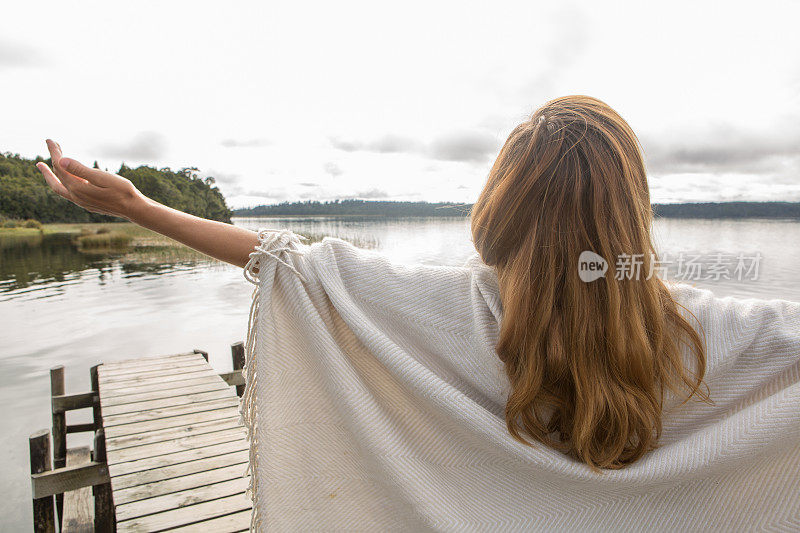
[90, 188]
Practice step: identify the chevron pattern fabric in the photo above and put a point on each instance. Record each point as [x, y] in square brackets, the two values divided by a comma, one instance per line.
[375, 402]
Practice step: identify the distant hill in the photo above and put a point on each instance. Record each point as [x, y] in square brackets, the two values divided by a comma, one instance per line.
[729, 210]
[24, 193]
[442, 209]
[358, 207]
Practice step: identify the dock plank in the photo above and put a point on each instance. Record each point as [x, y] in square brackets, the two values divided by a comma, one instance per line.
[138, 388]
[177, 452]
[167, 412]
[144, 426]
[188, 468]
[185, 456]
[167, 434]
[176, 484]
[167, 393]
[132, 375]
[183, 498]
[137, 378]
[176, 445]
[148, 359]
[192, 514]
[78, 504]
[146, 405]
[232, 523]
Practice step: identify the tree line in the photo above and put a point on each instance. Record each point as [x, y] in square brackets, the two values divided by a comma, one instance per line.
[24, 194]
[425, 209]
[383, 208]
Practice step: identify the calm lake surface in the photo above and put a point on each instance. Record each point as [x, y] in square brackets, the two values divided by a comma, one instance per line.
[59, 306]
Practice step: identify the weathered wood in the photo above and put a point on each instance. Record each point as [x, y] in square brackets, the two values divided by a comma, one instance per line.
[219, 394]
[203, 353]
[184, 498]
[150, 359]
[187, 515]
[174, 443]
[188, 468]
[59, 432]
[104, 519]
[96, 412]
[137, 377]
[44, 519]
[234, 378]
[196, 372]
[155, 395]
[175, 421]
[187, 443]
[233, 522]
[168, 434]
[78, 504]
[69, 402]
[128, 370]
[109, 391]
[176, 484]
[237, 355]
[166, 412]
[122, 368]
[61, 480]
[154, 371]
[79, 428]
[175, 458]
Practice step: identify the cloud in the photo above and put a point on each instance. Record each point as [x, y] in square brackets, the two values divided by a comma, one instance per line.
[20, 55]
[145, 146]
[278, 194]
[308, 184]
[462, 146]
[388, 144]
[244, 143]
[230, 183]
[723, 148]
[370, 194]
[332, 169]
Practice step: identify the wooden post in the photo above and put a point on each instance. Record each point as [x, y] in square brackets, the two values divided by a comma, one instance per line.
[104, 516]
[44, 519]
[59, 432]
[96, 414]
[237, 354]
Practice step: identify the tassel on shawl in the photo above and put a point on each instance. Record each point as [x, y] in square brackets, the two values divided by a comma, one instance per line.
[266, 248]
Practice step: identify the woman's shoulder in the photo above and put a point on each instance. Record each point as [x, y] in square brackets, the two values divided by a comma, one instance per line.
[700, 299]
[740, 328]
[348, 258]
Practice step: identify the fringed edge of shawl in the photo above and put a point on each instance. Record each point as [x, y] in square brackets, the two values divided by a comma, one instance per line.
[267, 239]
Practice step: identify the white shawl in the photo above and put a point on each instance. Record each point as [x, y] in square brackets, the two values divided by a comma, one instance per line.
[374, 401]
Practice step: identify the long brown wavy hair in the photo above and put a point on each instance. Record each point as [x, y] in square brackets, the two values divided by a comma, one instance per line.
[588, 362]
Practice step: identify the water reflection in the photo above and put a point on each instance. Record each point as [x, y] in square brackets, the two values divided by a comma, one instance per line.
[26, 259]
[62, 306]
[51, 261]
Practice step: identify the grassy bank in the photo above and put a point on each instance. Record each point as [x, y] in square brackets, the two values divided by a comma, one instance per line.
[132, 243]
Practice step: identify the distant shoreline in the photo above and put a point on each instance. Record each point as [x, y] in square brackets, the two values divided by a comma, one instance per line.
[387, 209]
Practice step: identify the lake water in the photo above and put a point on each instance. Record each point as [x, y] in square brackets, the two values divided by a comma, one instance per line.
[59, 306]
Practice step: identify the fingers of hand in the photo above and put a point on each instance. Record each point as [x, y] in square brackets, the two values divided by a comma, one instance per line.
[55, 155]
[53, 181]
[67, 179]
[94, 176]
[72, 188]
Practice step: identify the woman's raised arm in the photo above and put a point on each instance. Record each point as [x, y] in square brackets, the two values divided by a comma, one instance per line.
[110, 194]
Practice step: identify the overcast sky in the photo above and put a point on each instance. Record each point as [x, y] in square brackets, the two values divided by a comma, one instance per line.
[405, 101]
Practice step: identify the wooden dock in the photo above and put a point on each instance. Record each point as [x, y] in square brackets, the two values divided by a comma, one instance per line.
[170, 453]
